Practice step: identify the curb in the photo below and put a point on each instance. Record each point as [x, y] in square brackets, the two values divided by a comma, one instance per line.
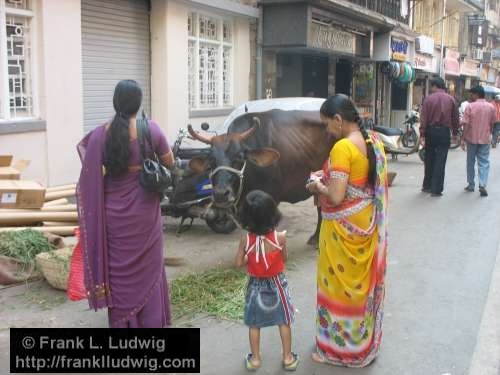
[486, 356]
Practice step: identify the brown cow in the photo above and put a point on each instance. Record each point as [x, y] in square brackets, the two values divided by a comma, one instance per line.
[274, 151]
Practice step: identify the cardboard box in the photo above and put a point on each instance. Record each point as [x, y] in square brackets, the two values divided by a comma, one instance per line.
[9, 171]
[21, 194]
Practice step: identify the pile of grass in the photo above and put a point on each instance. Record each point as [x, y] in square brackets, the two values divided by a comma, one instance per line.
[218, 292]
[24, 245]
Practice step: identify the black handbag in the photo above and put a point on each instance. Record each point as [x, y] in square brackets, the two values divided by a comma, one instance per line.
[153, 177]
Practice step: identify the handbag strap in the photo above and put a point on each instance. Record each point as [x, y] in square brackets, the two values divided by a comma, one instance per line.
[144, 133]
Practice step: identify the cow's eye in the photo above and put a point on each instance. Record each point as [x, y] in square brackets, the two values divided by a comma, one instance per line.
[238, 163]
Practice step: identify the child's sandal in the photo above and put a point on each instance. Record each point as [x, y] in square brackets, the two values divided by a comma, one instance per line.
[248, 363]
[292, 366]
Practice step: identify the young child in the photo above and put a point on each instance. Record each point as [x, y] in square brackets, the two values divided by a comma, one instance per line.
[267, 301]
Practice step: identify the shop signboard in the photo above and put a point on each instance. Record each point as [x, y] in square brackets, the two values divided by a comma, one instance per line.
[399, 49]
[451, 62]
[492, 75]
[469, 68]
[331, 38]
[484, 73]
[425, 63]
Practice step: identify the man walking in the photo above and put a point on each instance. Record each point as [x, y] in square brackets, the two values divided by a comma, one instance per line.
[496, 127]
[478, 121]
[438, 117]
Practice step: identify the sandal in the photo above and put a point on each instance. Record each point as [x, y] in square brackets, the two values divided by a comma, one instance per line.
[248, 363]
[292, 366]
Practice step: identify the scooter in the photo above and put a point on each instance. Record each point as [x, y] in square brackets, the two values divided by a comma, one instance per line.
[401, 141]
[190, 195]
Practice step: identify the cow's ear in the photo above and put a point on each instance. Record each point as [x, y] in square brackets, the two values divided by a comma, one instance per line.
[263, 157]
[198, 165]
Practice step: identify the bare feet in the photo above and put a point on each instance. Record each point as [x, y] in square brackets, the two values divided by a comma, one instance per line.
[316, 357]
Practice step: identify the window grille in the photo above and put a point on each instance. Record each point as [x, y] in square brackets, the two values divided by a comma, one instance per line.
[210, 75]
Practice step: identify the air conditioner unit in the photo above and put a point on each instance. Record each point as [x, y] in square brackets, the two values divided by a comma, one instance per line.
[477, 54]
[487, 57]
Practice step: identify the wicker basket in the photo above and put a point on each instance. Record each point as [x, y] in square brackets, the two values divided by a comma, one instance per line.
[54, 266]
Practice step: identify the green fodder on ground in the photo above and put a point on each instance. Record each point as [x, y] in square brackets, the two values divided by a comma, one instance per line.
[218, 292]
[24, 245]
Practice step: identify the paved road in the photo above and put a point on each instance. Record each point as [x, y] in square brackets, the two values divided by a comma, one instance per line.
[441, 258]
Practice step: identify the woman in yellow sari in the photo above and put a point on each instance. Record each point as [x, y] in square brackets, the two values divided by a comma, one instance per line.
[353, 240]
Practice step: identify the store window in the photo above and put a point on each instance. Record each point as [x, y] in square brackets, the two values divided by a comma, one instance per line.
[399, 99]
[16, 63]
[210, 56]
[364, 88]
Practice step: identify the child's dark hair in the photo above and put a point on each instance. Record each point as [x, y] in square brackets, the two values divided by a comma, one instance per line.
[260, 213]
[341, 104]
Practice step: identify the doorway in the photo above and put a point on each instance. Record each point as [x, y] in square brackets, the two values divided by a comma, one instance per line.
[343, 77]
[315, 76]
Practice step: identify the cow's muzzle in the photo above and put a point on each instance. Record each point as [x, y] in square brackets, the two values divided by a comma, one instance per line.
[223, 197]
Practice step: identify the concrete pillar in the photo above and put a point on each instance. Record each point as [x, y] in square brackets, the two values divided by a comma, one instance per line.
[61, 88]
[169, 65]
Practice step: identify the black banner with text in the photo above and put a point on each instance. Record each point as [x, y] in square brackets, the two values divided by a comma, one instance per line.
[82, 350]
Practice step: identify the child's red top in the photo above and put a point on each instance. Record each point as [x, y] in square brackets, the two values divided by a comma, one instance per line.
[261, 263]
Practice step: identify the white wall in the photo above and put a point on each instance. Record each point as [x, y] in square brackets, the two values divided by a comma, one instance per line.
[169, 56]
[241, 61]
[61, 98]
[29, 146]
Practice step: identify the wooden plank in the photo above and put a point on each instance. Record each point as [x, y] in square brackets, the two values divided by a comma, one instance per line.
[61, 208]
[59, 223]
[59, 194]
[61, 231]
[61, 187]
[27, 218]
[56, 202]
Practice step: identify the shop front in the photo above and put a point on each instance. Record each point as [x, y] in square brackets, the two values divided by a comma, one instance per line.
[469, 69]
[451, 65]
[309, 51]
[426, 66]
[395, 73]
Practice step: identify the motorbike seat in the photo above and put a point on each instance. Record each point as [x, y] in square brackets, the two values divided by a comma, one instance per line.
[388, 131]
[189, 153]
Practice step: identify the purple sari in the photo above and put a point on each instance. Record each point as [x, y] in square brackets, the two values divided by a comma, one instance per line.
[122, 237]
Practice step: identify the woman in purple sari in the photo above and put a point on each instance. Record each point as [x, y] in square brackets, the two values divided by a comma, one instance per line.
[120, 222]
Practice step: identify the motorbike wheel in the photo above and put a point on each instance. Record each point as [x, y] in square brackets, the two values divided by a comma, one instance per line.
[221, 224]
[454, 145]
[409, 139]
[421, 154]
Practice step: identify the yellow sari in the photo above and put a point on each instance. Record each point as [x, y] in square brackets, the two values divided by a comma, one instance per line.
[352, 259]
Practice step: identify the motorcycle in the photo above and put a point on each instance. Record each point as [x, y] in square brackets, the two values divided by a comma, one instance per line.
[190, 195]
[401, 141]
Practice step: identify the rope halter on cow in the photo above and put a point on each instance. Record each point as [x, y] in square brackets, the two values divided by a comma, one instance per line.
[237, 172]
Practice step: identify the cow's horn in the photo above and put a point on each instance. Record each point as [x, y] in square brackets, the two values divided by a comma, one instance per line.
[198, 136]
[247, 133]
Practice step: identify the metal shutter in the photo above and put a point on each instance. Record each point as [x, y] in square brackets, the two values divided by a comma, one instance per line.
[115, 46]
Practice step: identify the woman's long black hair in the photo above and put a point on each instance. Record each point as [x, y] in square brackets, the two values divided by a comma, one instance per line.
[126, 101]
[340, 104]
